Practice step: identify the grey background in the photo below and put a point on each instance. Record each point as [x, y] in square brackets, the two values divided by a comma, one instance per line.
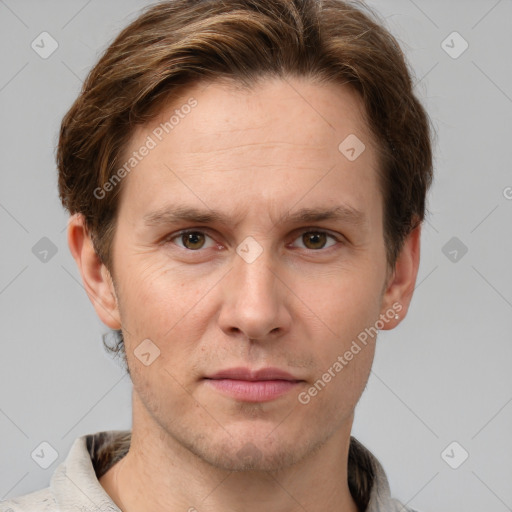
[443, 375]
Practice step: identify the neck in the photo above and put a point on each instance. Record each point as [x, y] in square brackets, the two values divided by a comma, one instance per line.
[158, 474]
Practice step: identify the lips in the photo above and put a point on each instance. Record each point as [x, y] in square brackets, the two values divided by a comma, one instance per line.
[253, 375]
[246, 385]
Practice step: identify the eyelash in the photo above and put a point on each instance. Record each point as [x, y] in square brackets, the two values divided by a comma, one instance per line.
[174, 236]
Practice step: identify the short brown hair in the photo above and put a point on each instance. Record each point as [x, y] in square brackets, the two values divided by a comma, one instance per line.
[181, 42]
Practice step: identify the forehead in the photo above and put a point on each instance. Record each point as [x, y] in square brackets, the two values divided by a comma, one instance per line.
[273, 144]
[297, 109]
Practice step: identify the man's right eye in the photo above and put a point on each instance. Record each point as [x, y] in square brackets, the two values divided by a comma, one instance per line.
[191, 239]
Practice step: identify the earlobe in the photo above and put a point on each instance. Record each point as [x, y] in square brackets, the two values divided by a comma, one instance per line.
[95, 276]
[399, 290]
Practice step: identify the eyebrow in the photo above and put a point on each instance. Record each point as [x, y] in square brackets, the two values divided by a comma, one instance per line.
[171, 215]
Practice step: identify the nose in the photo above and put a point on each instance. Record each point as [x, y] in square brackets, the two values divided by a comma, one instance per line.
[255, 300]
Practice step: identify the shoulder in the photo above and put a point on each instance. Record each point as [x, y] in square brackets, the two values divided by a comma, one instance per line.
[37, 501]
[75, 483]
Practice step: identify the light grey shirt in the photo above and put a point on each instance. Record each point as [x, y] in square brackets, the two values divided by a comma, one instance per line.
[75, 486]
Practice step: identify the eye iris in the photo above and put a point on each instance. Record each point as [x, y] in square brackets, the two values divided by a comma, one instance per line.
[193, 240]
[315, 239]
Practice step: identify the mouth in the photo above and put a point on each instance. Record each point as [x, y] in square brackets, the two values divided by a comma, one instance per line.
[248, 385]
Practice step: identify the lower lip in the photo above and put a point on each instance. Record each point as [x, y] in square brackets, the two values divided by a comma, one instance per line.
[253, 391]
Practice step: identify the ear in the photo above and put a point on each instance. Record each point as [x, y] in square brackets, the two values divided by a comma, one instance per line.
[96, 278]
[400, 284]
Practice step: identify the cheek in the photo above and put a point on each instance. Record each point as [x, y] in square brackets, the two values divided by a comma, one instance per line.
[344, 300]
[346, 306]
[342, 373]
[160, 389]
[158, 295]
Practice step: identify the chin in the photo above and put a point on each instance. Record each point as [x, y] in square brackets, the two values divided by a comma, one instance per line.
[253, 451]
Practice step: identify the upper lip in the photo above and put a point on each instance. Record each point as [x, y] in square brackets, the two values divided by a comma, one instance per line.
[253, 375]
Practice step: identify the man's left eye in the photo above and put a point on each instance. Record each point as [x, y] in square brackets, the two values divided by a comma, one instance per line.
[316, 239]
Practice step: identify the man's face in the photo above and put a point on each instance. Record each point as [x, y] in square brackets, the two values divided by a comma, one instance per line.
[258, 287]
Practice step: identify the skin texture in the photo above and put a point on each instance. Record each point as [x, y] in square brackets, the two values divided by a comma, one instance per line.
[254, 156]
